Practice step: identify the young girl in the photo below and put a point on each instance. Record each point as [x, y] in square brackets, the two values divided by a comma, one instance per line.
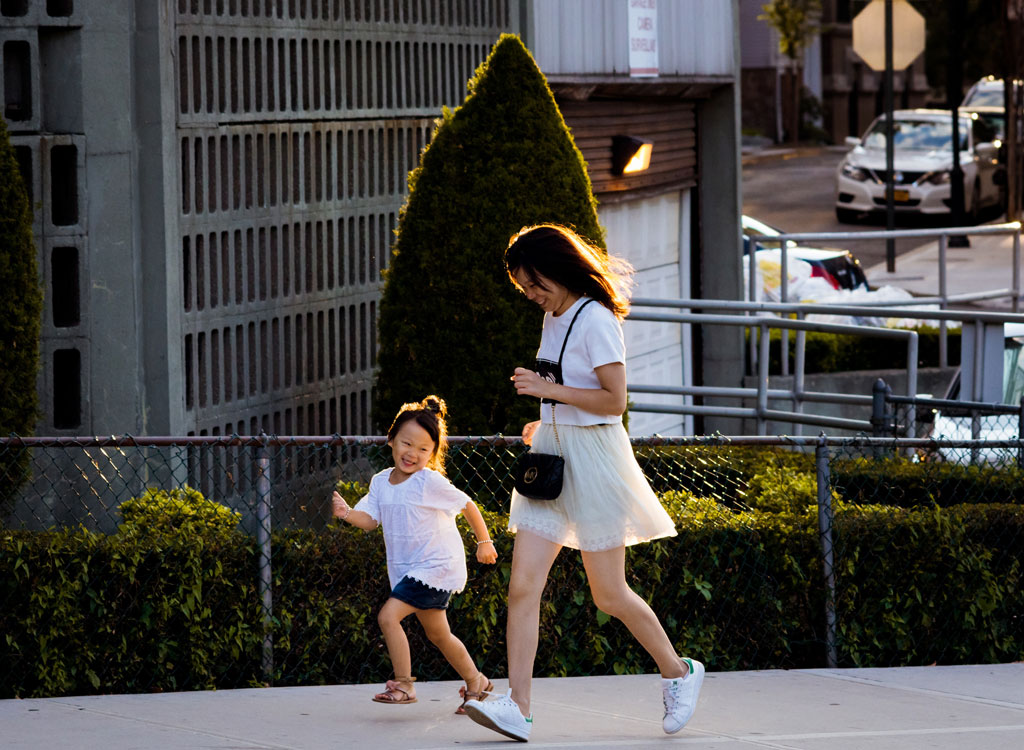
[606, 503]
[417, 505]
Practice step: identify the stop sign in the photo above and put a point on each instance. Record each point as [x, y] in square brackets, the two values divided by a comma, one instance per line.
[907, 34]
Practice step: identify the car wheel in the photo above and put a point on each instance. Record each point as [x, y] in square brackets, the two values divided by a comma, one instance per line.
[847, 215]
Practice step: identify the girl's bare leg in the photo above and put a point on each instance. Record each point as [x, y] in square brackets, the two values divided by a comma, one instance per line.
[390, 620]
[606, 574]
[532, 558]
[435, 625]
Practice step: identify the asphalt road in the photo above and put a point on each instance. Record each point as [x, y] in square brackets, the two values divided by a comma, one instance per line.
[797, 195]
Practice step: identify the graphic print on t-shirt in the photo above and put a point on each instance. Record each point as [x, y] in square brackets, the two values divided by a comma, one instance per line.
[551, 372]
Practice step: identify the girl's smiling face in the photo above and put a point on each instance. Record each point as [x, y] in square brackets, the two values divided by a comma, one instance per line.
[551, 296]
[411, 448]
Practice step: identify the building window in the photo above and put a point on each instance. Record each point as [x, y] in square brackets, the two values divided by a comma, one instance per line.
[67, 389]
[17, 81]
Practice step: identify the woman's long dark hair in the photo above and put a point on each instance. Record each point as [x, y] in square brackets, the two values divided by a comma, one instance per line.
[429, 414]
[559, 254]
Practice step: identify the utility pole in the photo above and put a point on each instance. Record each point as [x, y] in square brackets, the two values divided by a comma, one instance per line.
[1012, 12]
[890, 133]
[954, 94]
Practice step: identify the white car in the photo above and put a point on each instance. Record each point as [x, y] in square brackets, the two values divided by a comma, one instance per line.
[922, 161]
[987, 92]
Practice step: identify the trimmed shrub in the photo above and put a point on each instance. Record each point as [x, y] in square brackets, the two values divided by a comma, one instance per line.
[450, 321]
[897, 482]
[167, 514]
[21, 306]
[86, 613]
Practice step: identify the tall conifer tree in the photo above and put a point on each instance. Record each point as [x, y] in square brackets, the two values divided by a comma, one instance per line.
[21, 303]
[450, 322]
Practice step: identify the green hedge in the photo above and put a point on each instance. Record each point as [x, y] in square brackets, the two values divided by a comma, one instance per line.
[87, 613]
[896, 482]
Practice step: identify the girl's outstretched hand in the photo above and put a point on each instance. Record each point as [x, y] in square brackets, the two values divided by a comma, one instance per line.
[486, 553]
[528, 429]
[339, 507]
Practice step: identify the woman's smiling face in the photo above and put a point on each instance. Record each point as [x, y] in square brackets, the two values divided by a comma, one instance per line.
[551, 296]
[411, 448]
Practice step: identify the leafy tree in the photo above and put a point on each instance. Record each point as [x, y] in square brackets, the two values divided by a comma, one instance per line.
[21, 303]
[451, 323]
[797, 22]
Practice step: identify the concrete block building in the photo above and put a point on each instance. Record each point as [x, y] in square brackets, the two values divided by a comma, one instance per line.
[217, 182]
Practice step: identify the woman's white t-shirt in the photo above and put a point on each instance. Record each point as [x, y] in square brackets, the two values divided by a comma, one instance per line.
[596, 339]
[418, 521]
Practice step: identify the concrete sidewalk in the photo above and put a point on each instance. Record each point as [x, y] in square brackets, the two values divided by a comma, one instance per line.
[984, 266]
[911, 708]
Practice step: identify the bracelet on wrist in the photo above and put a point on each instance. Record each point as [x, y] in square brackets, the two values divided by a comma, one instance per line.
[345, 514]
[485, 541]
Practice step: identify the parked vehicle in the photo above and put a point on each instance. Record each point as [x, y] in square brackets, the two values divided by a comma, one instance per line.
[837, 267]
[922, 162]
[986, 92]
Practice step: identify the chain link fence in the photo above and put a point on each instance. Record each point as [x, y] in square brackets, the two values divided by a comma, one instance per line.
[135, 565]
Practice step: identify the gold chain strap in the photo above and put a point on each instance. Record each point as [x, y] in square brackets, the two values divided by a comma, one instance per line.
[554, 426]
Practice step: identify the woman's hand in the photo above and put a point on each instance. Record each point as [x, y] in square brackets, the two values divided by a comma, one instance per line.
[529, 383]
[486, 553]
[528, 429]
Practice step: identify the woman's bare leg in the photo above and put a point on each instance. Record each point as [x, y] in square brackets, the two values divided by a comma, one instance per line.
[606, 574]
[532, 558]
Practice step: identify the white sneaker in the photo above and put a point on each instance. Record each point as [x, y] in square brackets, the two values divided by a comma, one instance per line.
[680, 696]
[501, 715]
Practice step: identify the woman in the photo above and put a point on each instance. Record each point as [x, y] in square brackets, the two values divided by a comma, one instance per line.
[606, 503]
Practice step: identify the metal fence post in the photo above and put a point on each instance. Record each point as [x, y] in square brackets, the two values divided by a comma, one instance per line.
[263, 541]
[879, 421]
[1020, 434]
[825, 534]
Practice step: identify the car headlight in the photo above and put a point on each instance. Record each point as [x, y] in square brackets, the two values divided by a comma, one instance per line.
[855, 173]
[936, 178]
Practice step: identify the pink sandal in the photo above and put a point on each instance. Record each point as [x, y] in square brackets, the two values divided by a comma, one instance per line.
[468, 695]
[392, 688]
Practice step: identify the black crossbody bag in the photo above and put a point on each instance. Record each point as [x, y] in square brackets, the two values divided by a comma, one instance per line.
[538, 476]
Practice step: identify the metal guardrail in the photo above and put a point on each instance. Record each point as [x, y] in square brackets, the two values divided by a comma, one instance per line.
[761, 412]
[942, 234]
[762, 316]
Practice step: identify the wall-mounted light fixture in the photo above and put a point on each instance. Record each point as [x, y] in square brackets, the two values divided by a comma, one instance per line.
[630, 154]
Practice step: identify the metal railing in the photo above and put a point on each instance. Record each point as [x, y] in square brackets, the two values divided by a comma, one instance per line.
[943, 234]
[760, 317]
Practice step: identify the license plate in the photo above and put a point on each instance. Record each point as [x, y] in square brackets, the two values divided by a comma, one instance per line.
[901, 195]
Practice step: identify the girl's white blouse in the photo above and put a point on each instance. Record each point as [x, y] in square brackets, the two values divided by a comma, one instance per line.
[418, 521]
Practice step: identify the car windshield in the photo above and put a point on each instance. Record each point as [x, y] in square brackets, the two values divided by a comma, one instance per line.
[917, 135]
[987, 97]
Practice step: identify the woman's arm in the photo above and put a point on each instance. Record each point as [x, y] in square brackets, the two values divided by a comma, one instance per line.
[485, 550]
[357, 518]
[609, 399]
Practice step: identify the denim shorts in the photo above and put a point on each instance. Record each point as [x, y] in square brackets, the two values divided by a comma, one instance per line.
[420, 595]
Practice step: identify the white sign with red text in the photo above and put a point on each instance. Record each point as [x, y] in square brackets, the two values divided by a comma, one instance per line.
[643, 38]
